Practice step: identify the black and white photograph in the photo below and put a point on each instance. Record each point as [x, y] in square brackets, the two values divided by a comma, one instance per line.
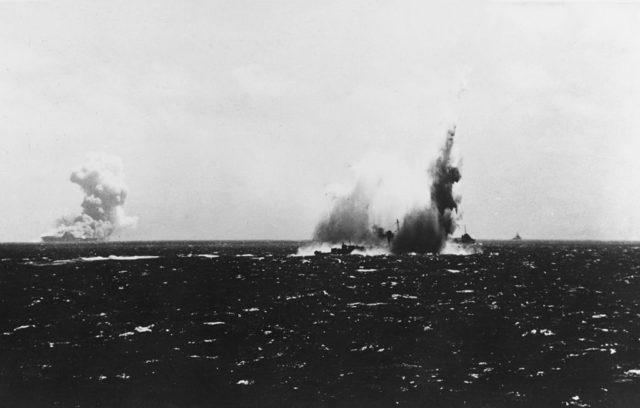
[319, 204]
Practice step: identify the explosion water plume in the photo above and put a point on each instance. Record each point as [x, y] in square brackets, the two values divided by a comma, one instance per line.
[348, 220]
[427, 229]
[426, 225]
[365, 211]
[101, 178]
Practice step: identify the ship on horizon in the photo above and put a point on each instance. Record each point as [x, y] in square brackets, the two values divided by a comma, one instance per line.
[67, 237]
[345, 249]
[517, 237]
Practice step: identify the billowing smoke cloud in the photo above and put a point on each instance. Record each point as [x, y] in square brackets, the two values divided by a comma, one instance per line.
[425, 227]
[348, 220]
[366, 212]
[102, 181]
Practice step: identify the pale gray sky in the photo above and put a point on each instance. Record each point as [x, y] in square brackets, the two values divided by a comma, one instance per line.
[234, 118]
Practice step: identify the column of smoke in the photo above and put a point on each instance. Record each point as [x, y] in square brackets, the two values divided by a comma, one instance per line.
[423, 229]
[102, 181]
[427, 229]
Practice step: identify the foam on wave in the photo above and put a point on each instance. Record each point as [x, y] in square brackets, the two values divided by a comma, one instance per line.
[452, 248]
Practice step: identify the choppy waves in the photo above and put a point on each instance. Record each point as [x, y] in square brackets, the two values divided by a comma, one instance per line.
[517, 326]
[90, 259]
[451, 248]
[324, 248]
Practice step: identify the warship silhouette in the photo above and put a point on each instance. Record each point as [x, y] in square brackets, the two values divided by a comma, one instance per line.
[67, 237]
[465, 238]
[345, 249]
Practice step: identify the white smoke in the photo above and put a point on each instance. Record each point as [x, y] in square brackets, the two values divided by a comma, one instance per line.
[101, 178]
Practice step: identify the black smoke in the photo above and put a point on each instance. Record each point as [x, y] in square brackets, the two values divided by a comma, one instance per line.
[427, 229]
[422, 230]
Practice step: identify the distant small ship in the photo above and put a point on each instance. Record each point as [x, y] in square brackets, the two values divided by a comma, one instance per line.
[517, 237]
[343, 250]
[465, 238]
[66, 237]
[346, 249]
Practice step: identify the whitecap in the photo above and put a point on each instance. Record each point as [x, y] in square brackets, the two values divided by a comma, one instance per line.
[52, 263]
[144, 329]
[26, 326]
[634, 372]
[354, 304]
[117, 258]
[452, 248]
[372, 251]
[396, 296]
[191, 255]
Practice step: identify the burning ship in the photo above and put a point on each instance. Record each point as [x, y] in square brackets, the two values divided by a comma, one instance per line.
[67, 237]
[102, 181]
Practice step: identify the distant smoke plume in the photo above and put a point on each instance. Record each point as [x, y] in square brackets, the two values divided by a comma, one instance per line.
[102, 181]
[427, 229]
[424, 227]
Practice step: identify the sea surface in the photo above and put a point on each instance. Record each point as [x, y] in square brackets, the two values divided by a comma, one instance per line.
[250, 324]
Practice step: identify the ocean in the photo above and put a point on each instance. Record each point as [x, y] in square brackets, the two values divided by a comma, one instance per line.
[250, 324]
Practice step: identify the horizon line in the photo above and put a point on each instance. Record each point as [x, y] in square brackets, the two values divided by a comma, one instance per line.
[306, 240]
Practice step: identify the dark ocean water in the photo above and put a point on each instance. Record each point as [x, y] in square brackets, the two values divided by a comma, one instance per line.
[244, 324]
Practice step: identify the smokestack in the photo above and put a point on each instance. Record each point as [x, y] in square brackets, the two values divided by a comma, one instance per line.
[101, 178]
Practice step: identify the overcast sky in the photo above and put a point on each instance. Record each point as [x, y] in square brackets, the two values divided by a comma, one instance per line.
[234, 118]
